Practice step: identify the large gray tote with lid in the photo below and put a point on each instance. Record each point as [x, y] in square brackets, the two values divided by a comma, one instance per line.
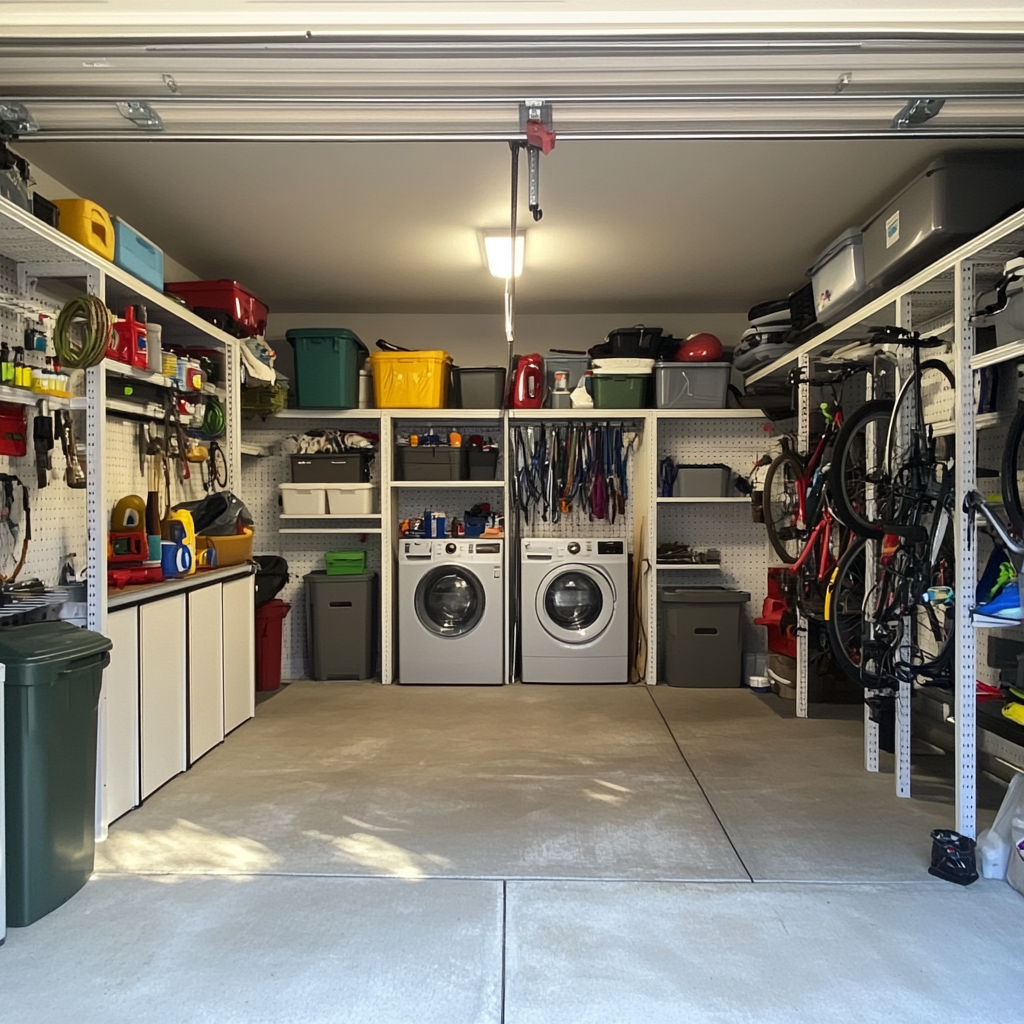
[703, 645]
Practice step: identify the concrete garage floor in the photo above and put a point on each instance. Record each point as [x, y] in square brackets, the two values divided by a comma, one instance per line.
[526, 855]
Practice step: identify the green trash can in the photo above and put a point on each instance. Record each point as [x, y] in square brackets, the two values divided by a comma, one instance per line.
[326, 367]
[51, 696]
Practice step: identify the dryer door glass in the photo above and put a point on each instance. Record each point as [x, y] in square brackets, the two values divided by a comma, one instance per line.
[573, 601]
[449, 601]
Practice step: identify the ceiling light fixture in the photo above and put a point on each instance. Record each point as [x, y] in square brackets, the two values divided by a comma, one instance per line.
[498, 251]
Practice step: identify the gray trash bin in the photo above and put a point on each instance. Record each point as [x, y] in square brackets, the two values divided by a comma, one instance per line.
[341, 617]
[703, 646]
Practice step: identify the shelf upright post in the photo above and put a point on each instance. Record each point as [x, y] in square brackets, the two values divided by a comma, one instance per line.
[96, 525]
[233, 413]
[966, 654]
[870, 571]
[645, 504]
[908, 414]
[803, 440]
[388, 550]
[507, 472]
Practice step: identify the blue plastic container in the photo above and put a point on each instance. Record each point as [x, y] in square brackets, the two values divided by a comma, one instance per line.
[138, 255]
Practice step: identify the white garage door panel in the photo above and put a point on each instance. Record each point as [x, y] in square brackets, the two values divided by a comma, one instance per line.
[121, 716]
[162, 640]
[239, 652]
[205, 671]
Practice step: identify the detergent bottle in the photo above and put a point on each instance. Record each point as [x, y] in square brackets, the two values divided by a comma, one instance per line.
[528, 382]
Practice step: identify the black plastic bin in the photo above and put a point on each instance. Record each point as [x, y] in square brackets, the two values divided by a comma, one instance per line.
[431, 462]
[480, 387]
[347, 468]
[703, 646]
[482, 465]
[54, 672]
[341, 625]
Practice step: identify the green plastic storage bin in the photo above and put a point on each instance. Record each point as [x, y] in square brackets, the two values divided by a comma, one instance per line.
[620, 390]
[51, 696]
[345, 563]
[326, 367]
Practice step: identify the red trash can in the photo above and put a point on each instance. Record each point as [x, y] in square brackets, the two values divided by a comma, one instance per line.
[269, 625]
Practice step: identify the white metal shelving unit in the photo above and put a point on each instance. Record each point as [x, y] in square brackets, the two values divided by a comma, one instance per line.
[938, 299]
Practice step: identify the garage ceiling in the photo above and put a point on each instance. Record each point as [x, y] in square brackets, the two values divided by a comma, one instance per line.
[663, 226]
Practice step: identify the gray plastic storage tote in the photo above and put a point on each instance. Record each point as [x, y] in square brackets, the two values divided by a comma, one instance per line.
[838, 277]
[703, 645]
[341, 632]
[691, 385]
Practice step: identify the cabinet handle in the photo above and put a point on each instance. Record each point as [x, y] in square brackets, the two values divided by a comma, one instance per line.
[341, 604]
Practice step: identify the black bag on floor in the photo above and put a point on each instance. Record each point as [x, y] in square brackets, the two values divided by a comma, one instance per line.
[271, 577]
[953, 857]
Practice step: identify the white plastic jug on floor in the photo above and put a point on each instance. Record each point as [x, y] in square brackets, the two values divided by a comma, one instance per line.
[995, 843]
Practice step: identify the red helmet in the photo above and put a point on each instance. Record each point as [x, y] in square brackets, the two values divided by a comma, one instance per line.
[699, 348]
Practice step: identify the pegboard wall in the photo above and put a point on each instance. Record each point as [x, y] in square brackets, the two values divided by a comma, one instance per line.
[577, 522]
[728, 526]
[304, 551]
[58, 511]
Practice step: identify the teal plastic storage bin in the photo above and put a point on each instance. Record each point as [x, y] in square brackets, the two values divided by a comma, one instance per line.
[51, 698]
[326, 367]
[138, 255]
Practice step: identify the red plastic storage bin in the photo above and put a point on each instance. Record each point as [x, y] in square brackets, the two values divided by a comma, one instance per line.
[269, 626]
[779, 611]
[226, 304]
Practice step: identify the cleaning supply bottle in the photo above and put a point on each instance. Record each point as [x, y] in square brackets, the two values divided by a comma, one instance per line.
[6, 365]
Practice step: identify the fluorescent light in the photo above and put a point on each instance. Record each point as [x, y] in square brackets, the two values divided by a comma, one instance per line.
[498, 249]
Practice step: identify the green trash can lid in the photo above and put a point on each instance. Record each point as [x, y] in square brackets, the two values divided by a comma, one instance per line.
[703, 595]
[318, 576]
[298, 333]
[40, 643]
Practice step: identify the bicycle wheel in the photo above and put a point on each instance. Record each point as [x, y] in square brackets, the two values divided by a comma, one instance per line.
[844, 610]
[932, 623]
[1013, 472]
[935, 385]
[862, 443]
[782, 506]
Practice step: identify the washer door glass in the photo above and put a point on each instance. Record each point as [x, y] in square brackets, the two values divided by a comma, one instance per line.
[449, 601]
[575, 604]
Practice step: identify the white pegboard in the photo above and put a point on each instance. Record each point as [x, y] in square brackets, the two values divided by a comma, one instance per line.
[577, 522]
[728, 526]
[58, 511]
[304, 552]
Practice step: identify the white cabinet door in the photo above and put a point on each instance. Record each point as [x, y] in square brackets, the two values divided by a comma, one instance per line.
[162, 663]
[120, 732]
[205, 671]
[239, 652]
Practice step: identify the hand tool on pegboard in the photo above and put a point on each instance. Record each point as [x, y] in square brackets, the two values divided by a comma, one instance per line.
[42, 440]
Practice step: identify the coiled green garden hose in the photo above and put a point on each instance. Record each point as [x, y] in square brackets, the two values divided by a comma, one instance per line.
[214, 421]
[85, 317]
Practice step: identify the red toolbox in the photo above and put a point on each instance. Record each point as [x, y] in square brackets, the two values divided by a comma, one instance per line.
[779, 611]
[226, 304]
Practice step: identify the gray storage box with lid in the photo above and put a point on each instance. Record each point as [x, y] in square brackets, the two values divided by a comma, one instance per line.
[480, 387]
[575, 367]
[341, 618]
[954, 198]
[702, 481]
[691, 385]
[703, 645]
[837, 278]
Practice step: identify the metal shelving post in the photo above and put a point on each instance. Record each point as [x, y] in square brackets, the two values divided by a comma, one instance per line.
[803, 438]
[966, 655]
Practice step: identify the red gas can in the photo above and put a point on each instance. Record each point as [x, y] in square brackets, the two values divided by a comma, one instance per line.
[528, 382]
[269, 627]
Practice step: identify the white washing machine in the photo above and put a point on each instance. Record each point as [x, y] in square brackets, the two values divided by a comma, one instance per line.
[451, 611]
[574, 603]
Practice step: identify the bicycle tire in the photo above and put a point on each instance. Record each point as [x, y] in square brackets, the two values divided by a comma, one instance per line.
[844, 614]
[1012, 466]
[846, 500]
[777, 513]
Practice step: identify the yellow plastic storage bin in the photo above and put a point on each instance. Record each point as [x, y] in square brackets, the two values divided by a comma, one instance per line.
[88, 224]
[411, 380]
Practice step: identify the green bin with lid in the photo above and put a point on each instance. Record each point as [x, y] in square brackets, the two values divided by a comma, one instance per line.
[54, 672]
[326, 367]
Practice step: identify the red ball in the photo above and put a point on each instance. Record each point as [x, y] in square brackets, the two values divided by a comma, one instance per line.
[699, 348]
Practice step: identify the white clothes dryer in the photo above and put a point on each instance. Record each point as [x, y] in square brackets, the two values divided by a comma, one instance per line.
[451, 611]
[574, 603]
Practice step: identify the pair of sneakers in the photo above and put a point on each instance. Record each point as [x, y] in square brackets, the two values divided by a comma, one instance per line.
[998, 595]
